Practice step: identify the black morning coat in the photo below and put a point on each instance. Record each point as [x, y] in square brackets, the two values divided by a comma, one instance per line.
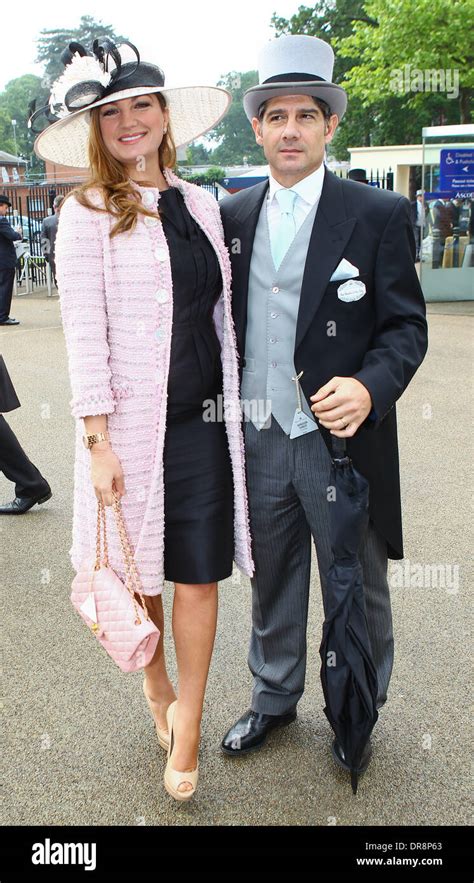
[8, 236]
[380, 339]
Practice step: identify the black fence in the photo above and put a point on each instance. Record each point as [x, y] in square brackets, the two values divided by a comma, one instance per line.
[211, 188]
[29, 213]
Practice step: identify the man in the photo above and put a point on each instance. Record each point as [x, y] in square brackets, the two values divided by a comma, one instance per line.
[8, 235]
[358, 175]
[49, 229]
[418, 216]
[441, 228]
[30, 486]
[330, 323]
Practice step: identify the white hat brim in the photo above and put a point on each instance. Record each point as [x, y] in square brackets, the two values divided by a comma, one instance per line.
[334, 96]
[194, 110]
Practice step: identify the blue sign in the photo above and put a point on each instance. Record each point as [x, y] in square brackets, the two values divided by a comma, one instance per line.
[456, 173]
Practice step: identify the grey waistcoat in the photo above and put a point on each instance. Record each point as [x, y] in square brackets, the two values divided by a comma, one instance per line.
[272, 312]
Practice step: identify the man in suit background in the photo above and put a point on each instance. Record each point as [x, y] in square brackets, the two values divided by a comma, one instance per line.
[8, 260]
[330, 323]
[418, 219]
[49, 230]
[30, 485]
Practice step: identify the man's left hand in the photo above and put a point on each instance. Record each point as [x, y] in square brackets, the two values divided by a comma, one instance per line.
[341, 405]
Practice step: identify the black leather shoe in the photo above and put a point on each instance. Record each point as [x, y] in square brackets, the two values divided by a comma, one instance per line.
[250, 732]
[338, 756]
[21, 504]
[10, 321]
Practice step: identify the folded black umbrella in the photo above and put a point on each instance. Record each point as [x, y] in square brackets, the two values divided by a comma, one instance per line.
[348, 674]
[8, 397]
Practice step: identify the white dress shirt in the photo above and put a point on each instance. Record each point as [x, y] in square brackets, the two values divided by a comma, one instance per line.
[308, 192]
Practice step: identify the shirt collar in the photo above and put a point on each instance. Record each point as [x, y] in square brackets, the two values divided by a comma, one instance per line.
[308, 189]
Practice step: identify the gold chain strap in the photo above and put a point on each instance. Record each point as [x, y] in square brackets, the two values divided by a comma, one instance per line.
[132, 579]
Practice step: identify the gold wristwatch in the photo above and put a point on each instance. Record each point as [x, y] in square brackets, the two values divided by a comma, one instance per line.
[90, 440]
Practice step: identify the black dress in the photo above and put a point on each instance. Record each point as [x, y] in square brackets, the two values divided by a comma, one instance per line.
[199, 533]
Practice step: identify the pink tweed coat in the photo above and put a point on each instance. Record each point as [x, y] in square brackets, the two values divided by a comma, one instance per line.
[116, 298]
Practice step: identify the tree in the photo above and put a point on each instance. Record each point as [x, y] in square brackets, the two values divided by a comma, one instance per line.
[51, 43]
[210, 176]
[14, 101]
[429, 36]
[238, 140]
[197, 155]
[7, 142]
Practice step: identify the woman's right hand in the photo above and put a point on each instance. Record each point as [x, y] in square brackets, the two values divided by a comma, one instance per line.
[106, 474]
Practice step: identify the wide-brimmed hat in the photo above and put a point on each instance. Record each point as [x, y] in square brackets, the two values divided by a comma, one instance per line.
[296, 65]
[4, 200]
[91, 80]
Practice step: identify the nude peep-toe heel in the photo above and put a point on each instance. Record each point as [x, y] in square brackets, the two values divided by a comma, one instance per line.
[174, 778]
[163, 736]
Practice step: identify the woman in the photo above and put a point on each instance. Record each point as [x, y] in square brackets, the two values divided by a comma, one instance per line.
[144, 282]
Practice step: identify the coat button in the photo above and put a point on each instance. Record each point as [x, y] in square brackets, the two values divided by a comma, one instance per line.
[151, 222]
[274, 364]
[162, 295]
[148, 198]
[159, 334]
[274, 315]
[275, 289]
[160, 253]
[273, 340]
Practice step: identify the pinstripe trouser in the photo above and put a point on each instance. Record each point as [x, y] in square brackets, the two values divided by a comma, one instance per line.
[287, 486]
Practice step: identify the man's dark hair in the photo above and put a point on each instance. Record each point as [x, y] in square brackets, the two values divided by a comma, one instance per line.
[323, 106]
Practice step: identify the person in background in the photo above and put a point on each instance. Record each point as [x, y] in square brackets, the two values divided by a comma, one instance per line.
[48, 235]
[441, 228]
[418, 215]
[30, 486]
[359, 175]
[8, 260]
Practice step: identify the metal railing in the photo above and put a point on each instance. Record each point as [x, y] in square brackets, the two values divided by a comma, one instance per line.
[32, 268]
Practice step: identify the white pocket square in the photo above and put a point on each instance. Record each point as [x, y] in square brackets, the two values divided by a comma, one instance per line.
[345, 270]
[354, 289]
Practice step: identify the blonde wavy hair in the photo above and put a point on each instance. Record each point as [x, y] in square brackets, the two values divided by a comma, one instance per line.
[110, 176]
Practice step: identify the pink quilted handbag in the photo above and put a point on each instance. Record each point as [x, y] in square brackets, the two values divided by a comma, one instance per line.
[109, 607]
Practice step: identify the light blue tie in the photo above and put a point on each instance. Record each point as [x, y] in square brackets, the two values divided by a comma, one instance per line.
[284, 232]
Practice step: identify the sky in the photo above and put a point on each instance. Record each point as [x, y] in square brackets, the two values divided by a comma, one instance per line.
[193, 41]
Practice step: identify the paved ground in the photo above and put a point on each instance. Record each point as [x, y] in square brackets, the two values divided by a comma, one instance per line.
[81, 747]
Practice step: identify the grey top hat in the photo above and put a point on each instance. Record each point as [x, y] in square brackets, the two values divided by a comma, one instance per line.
[296, 65]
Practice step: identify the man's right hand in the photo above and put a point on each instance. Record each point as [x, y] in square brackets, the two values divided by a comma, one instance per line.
[106, 473]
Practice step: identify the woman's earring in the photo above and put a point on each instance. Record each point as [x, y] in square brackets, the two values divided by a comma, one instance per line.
[165, 130]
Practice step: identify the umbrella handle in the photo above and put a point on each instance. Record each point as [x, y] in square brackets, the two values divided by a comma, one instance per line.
[338, 447]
